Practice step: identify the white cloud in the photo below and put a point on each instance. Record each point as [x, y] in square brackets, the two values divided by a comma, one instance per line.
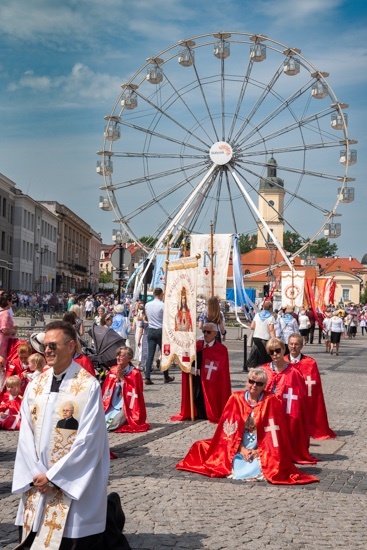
[284, 11]
[80, 83]
[34, 22]
[35, 83]
[88, 22]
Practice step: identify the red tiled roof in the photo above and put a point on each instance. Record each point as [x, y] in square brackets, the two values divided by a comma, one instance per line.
[260, 259]
[340, 264]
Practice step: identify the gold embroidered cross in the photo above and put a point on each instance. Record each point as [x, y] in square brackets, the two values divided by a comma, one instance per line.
[52, 525]
[26, 526]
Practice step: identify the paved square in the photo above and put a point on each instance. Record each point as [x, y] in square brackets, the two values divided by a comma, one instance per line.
[170, 509]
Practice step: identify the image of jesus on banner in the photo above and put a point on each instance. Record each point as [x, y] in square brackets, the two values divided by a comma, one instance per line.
[183, 321]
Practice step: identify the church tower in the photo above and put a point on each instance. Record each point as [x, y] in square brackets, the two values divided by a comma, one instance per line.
[271, 206]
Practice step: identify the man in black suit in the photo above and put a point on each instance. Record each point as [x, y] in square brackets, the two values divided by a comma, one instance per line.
[68, 422]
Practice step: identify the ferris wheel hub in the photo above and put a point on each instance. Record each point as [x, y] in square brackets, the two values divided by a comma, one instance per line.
[221, 153]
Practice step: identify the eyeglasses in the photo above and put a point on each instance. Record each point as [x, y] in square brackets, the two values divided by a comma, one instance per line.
[258, 384]
[276, 350]
[52, 345]
[208, 331]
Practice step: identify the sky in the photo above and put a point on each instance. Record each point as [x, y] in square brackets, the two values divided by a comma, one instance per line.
[62, 65]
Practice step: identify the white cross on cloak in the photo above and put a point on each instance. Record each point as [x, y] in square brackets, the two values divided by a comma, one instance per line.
[309, 383]
[289, 397]
[210, 368]
[272, 428]
[133, 395]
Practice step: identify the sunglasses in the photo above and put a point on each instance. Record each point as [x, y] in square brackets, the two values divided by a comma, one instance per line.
[208, 331]
[258, 384]
[276, 350]
[51, 345]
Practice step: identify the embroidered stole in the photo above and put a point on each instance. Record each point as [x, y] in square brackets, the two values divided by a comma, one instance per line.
[75, 390]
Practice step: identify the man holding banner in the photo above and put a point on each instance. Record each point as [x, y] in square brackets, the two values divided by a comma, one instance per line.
[212, 383]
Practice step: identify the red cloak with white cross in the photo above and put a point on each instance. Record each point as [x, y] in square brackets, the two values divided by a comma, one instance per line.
[134, 403]
[215, 382]
[319, 423]
[289, 386]
[11, 407]
[213, 457]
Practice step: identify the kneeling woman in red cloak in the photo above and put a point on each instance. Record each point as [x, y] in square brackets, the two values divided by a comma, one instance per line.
[251, 440]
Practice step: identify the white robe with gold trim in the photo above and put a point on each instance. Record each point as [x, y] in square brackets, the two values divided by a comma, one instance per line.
[81, 473]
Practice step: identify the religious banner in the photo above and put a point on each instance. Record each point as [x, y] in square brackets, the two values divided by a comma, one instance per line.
[326, 290]
[216, 263]
[158, 280]
[293, 288]
[179, 319]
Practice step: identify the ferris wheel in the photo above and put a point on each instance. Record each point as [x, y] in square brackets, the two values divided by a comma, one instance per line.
[229, 129]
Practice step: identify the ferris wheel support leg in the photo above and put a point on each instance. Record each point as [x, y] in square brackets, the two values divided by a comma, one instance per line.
[173, 223]
[254, 208]
[183, 210]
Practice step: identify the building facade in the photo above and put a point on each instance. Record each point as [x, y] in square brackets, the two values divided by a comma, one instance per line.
[7, 188]
[35, 246]
[73, 239]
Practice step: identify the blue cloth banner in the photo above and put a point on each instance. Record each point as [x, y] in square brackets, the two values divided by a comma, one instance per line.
[159, 267]
[241, 296]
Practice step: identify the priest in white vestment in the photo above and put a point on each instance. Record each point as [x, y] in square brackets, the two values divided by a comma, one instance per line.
[62, 473]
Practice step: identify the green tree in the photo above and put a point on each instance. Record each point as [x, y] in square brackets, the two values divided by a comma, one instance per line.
[322, 248]
[247, 243]
[105, 277]
[291, 241]
[363, 298]
[148, 240]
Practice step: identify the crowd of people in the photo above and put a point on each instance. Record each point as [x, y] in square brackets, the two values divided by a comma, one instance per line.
[330, 327]
[50, 391]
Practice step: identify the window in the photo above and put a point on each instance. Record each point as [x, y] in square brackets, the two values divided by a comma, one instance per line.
[4, 210]
[346, 294]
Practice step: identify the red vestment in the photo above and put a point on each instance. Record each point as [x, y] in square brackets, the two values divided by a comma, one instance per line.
[289, 386]
[133, 396]
[213, 457]
[12, 408]
[319, 424]
[215, 382]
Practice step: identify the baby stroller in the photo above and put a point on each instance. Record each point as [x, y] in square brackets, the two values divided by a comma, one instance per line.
[106, 341]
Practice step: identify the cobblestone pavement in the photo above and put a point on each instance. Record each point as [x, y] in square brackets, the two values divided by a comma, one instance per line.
[166, 508]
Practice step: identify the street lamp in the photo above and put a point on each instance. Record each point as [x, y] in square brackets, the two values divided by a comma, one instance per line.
[124, 257]
[41, 251]
[91, 276]
[72, 268]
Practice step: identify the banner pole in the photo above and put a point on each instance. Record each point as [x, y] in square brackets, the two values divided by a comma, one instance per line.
[166, 261]
[191, 386]
[211, 258]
